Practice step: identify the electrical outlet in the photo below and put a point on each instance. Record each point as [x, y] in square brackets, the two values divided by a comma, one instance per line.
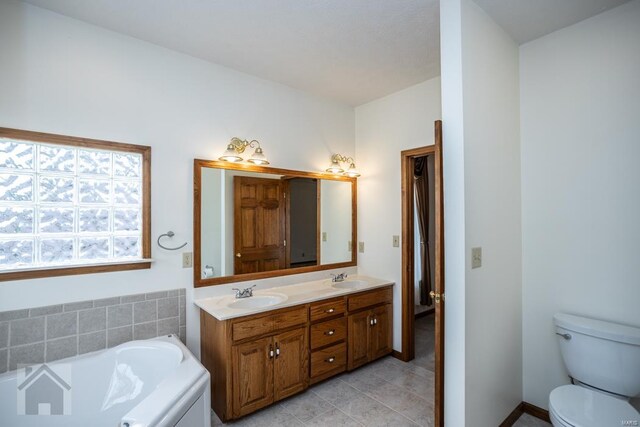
[187, 259]
[361, 247]
[476, 257]
[324, 236]
[396, 241]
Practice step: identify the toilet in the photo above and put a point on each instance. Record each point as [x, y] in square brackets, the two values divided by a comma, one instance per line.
[603, 359]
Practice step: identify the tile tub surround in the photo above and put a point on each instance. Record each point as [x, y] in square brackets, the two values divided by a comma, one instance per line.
[45, 334]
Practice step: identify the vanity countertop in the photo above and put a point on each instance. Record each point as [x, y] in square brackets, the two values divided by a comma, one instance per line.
[301, 293]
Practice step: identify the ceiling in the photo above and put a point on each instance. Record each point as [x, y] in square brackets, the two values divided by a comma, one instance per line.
[351, 51]
[526, 20]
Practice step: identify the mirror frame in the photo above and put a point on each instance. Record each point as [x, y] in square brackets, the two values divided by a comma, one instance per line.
[198, 164]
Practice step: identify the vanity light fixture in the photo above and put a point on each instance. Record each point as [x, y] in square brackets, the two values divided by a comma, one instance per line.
[337, 169]
[237, 146]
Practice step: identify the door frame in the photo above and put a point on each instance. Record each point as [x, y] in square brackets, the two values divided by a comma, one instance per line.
[408, 298]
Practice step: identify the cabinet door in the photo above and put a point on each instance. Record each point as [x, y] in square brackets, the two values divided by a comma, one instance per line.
[252, 376]
[381, 332]
[358, 333]
[291, 363]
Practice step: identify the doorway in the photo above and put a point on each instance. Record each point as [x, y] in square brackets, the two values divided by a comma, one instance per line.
[425, 250]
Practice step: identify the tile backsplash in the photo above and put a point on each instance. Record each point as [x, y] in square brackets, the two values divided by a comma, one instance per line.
[45, 334]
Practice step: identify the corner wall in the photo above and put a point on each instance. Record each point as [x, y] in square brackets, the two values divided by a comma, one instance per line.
[60, 75]
[580, 104]
[482, 198]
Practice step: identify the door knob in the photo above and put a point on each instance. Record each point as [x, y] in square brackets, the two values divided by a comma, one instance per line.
[238, 255]
[436, 296]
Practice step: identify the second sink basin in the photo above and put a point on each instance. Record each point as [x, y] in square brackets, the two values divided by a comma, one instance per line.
[350, 284]
[257, 301]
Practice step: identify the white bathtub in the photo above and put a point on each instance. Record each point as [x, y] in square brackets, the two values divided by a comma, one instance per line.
[155, 382]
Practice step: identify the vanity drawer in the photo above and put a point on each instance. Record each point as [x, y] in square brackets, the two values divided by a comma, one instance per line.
[328, 332]
[332, 359]
[325, 309]
[263, 325]
[368, 299]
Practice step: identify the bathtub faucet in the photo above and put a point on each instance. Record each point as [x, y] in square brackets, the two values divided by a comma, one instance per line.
[338, 277]
[244, 293]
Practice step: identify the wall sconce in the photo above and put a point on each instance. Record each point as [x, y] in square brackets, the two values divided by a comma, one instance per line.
[336, 169]
[237, 146]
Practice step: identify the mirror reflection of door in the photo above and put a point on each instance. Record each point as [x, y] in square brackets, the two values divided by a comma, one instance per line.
[302, 222]
[259, 222]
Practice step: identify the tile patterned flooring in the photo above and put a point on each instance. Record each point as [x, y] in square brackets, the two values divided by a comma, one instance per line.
[387, 392]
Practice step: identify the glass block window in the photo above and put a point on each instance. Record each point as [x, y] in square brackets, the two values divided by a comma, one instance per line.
[65, 205]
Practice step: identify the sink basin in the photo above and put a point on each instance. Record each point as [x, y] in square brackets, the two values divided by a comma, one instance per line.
[350, 284]
[257, 301]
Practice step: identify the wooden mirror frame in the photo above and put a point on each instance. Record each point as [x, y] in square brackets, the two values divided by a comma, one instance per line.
[198, 164]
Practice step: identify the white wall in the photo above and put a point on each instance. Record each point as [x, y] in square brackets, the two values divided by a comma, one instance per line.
[481, 113]
[580, 105]
[212, 221]
[335, 220]
[63, 76]
[385, 127]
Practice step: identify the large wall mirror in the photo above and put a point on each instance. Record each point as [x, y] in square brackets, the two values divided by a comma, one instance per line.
[253, 222]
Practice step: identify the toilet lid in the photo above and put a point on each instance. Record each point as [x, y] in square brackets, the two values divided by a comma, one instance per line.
[582, 407]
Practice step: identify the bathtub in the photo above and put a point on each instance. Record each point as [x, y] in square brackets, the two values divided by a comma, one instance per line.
[155, 382]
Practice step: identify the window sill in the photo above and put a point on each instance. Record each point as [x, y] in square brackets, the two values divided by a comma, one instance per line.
[74, 269]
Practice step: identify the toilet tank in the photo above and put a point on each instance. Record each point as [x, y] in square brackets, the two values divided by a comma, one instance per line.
[600, 354]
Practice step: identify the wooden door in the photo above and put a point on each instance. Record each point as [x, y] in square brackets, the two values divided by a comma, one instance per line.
[252, 376]
[259, 225]
[381, 332]
[358, 333]
[291, 363]
[439, 276]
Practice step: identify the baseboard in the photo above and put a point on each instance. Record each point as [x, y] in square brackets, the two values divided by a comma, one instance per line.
[525, 408]
[398, 355]
[425, 313]
[536, 411]
[513, 416]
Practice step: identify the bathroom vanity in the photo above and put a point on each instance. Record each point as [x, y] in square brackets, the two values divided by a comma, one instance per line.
[258, 355]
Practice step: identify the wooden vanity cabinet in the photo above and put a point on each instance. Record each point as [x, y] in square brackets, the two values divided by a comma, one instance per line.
[259, 359]
[370, 329]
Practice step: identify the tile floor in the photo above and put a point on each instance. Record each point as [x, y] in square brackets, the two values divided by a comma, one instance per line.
[387, 392]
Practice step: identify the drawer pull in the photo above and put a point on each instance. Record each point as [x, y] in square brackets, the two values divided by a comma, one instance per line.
[331, 332]
[330, 360]
[331, 310]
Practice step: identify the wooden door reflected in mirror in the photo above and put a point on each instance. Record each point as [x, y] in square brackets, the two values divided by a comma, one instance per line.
[253, 222]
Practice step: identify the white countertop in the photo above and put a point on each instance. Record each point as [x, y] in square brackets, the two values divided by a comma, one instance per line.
[300, 293]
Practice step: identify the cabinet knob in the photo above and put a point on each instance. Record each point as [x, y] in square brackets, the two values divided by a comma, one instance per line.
[331, 332]
[277, 351]
[330, 360]
[238, 255]
[331, 310]
[375, 320]
[270, 352]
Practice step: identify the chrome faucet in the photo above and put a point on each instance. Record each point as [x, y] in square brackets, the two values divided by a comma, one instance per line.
[244, 293]
[338, 277]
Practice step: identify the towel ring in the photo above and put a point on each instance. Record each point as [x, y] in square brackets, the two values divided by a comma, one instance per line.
[170, 234]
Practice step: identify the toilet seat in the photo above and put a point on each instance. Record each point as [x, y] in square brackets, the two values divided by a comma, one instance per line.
[575, 406]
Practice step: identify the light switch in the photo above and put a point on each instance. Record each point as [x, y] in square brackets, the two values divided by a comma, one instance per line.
[324, 236]
[361, 247]
[476, 257]
[187, 259]
[396, 241]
